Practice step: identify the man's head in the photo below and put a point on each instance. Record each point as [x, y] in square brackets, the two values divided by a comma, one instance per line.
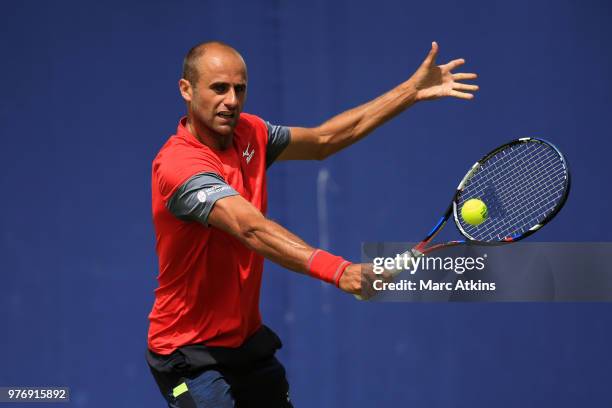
[214, 87]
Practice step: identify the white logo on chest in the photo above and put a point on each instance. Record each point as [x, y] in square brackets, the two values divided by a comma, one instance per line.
[247, 154]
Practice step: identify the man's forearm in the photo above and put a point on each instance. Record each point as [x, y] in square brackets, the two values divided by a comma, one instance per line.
[349, 127]
[277, 244]
[238, 217]
[286, 249]
[430, 81]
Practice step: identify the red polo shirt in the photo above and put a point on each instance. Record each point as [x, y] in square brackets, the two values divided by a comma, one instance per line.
[209, 282]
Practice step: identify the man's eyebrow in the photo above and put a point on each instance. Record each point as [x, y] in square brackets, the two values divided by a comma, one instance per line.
[243, 84]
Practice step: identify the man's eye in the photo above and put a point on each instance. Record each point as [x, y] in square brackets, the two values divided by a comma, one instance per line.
[219, 88]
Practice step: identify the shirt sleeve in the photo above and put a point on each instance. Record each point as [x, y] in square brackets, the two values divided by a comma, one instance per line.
[278, 139]
[195, 198]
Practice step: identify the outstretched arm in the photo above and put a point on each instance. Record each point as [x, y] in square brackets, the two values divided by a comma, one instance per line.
[238, 217]
[430, 81]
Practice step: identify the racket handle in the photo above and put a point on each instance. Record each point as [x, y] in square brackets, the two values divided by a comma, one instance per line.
[411, 254]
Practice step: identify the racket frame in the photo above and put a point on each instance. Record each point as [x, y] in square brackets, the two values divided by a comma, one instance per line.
[453, 209]
[421, 249]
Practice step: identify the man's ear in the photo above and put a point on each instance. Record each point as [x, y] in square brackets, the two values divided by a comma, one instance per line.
[186, 89]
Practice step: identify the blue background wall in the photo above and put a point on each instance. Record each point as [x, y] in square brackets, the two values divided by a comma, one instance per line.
[89, 94]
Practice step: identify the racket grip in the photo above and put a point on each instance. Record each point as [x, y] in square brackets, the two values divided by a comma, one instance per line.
[411, 254]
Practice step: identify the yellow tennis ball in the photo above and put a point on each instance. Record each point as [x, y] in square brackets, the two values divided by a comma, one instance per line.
[474, 211]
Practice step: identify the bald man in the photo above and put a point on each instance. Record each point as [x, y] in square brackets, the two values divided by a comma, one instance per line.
[207, 345]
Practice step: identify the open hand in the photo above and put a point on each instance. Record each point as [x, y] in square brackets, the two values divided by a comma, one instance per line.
[437, 81]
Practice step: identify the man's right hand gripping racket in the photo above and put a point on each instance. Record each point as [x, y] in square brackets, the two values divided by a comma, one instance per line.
[523, 184]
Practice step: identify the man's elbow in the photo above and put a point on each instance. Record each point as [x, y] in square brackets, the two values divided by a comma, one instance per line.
[249, 232]
[332, 140]
[323, 148]
[322, 153]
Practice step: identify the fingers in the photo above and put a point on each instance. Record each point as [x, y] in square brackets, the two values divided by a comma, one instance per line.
[433, 54]
[465, 87]
[365, 288]
[461, 76]
[461, 95]
[368, 277]
[454, 64]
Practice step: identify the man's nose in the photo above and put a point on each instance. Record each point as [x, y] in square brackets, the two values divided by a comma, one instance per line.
[231, 99]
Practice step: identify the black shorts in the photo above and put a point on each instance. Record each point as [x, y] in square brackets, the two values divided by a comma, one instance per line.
[250, 375]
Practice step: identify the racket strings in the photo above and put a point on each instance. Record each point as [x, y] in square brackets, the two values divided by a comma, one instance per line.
[515, 192]
[537, 182]
[521, 185]
[521, 193]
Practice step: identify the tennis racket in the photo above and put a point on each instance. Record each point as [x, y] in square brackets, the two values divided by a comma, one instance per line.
[524, 184]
